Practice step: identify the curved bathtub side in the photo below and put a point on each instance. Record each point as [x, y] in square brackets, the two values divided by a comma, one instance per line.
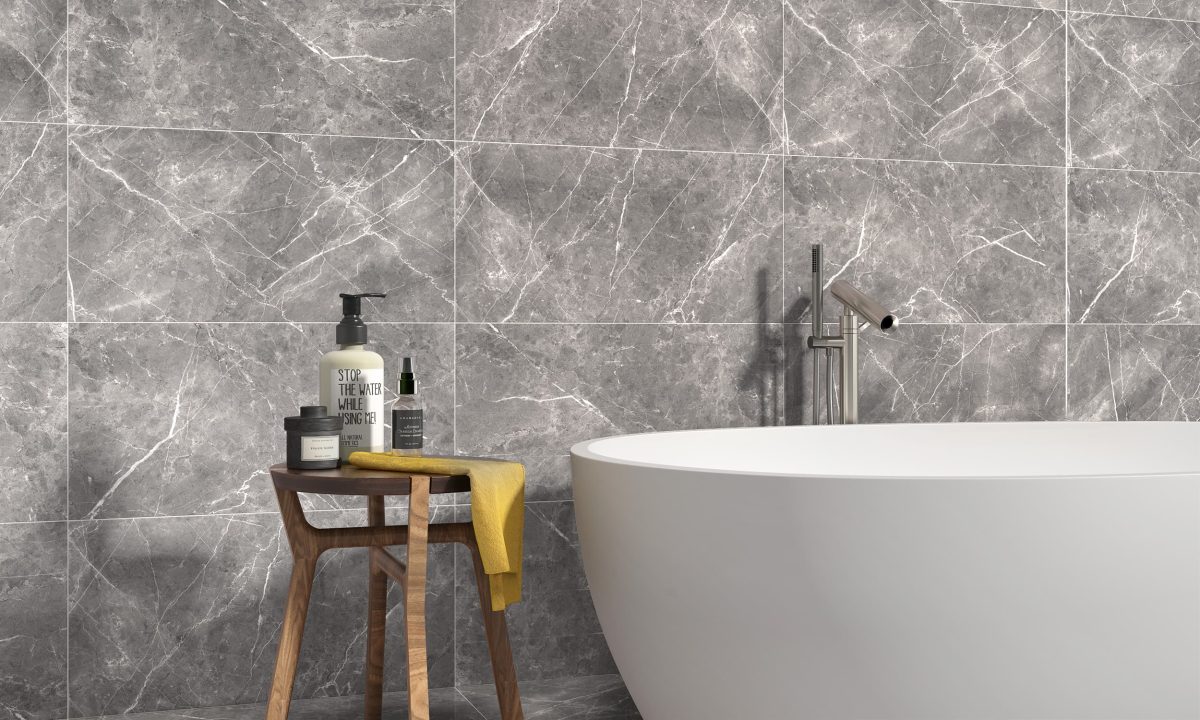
[945, 598]
[676, 564]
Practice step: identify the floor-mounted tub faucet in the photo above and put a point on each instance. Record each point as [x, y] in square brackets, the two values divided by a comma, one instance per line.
[855, 305]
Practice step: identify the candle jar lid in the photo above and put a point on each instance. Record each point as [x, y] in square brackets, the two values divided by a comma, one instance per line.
[313, 418]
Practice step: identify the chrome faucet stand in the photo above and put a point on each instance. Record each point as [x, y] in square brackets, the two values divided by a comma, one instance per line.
[856, 307]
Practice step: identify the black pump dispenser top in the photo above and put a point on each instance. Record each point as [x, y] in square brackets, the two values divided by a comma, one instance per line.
[352, 330]
[408, 381]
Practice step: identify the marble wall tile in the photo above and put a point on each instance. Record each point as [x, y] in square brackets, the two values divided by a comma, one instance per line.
[183, 612]
[538, 389]
[922, 79]
[378, 68]
[1169, 9]
[568, 234]
[33, 222]
[1135, 372]
[33, 60]
[33, 621]
[554, 630]
[657, 74]
[1134, 99]
[935, 242]
[950, 373]
[547, 478]
[33, 422]
[203, 226]
[1135, 247]
[173, 419]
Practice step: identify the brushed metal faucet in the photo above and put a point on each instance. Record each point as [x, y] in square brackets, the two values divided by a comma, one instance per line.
[855, 305]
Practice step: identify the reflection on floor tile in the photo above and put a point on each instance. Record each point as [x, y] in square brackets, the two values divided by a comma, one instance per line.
[602, 697]
[590, 698]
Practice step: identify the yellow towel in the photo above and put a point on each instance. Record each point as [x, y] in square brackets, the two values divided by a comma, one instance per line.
[497, 510]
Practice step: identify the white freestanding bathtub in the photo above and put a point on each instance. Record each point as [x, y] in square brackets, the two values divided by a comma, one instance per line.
[1032, 571]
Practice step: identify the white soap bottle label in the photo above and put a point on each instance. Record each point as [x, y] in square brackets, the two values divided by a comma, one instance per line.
[357, 398]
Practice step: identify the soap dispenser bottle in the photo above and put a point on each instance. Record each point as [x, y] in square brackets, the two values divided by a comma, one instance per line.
[352, 381]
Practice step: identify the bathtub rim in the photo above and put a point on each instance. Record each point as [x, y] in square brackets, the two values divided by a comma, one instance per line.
[583, 450]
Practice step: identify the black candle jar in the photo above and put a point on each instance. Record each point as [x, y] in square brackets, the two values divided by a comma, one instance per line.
[313, 439]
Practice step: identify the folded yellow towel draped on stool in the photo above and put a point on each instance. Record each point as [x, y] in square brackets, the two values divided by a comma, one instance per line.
[497, 510]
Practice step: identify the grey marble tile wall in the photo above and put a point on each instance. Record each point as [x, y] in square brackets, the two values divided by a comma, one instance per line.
[591, 218]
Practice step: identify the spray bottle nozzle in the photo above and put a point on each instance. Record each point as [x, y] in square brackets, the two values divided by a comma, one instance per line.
[408, 381]
[352, 330]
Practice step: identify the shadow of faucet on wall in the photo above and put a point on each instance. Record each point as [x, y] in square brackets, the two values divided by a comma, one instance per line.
[763, 376]
[797, 371]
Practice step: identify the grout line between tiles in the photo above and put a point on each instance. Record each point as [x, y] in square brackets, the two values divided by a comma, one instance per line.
[260, 513]
[464, 697]
[454, 318]
[1094, 13]
[786, 142]
[618, 323]
[1067, 153]
[1066, 10]
[67, 352]
[787, 155]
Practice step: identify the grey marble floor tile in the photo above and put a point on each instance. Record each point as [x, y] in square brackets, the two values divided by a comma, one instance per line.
[935, 242]
[1170, 9]
[659, 74]
[174, 613]
[33, 422]
[575, 235]
[444, 704]
[379, 68]
[1135, 372]
[33, 621]
[554, 630]
[1134, 99]
[948, 373]
[213, 226]
[33, 222]
[538, 389]
[1135, 247]
[33, 63]
[924, 80]
[584, 698]
[177, 419]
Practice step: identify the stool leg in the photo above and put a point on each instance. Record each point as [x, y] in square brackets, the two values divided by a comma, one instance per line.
[499, 649]
[414, 599]
[303, 569]
[377, 588]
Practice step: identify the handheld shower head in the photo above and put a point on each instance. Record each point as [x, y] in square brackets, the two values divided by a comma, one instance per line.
[868, 309]
[816, 309]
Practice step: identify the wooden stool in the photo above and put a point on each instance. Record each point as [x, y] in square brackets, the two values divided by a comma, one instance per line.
[309, 542]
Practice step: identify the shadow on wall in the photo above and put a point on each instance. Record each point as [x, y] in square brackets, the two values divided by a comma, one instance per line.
[769, 375]
[797, 372]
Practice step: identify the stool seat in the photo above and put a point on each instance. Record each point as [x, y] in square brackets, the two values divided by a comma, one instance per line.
[350, 480]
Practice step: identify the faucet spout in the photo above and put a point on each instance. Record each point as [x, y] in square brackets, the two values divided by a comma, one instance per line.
[863, 305]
